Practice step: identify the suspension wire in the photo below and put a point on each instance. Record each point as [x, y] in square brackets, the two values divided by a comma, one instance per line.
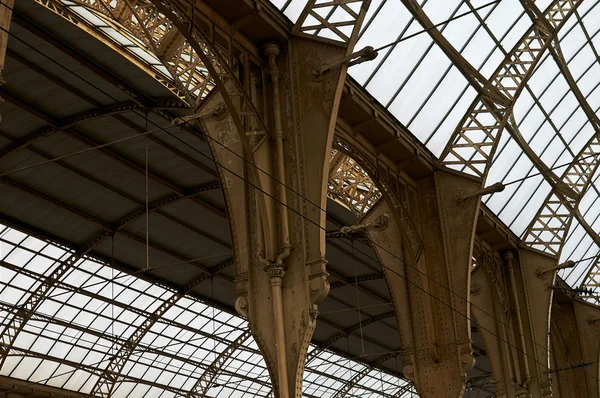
[355, 308]
[188, 124]
[147, 202]
[362, 341]
[146, 133]
[214, 325]
[275, 199]
[142, 271]
[112, 293]
[595, 155]
[7, 305]
[438, 25]
[66, 373]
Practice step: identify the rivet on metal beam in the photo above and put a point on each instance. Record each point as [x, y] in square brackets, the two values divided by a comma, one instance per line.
[497, 187]
[541, 271]
[366, 54]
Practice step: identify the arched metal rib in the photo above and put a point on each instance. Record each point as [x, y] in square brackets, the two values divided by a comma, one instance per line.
[107, 381]
[472, 146]
[354, 381]
[548, 230]
[204, 383]
[21, 316]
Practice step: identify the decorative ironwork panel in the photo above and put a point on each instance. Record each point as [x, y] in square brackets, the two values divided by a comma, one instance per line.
[350, 183]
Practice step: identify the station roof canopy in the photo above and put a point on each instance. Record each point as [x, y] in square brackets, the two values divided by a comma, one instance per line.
[158, 310]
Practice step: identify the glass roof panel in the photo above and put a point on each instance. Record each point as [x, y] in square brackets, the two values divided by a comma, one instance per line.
[86, 318]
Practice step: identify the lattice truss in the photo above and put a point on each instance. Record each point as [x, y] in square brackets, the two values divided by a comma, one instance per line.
[350, 183]
[332, 19]
[140, 21]
[198, 60]
[93, 313]
[591, 283]
[472, 146]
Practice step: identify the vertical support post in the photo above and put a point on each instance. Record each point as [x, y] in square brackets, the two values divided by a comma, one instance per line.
[276, 274]
[512, 303]
[279, 244]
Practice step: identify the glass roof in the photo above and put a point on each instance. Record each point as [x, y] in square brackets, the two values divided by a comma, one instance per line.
[88, 316]
[425, 91]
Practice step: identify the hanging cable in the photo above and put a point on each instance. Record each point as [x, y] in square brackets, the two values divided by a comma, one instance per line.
[362, 341]
[147, 202]
[112, 292]
[146, 133]
[437, 25]
[143, 271]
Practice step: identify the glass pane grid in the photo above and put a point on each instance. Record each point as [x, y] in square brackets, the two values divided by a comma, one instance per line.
[87, 317]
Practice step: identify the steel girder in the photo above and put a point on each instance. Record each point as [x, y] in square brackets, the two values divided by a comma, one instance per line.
[404, 390]
[205, 382]
[71, 121]
[133, 343]
[107, 381]
[62, 285]
[472, 145]
[547, 231]
[196, 61]
[489, 116]
[113, 339]
[354, 381]
[95, 370]
[21, 317]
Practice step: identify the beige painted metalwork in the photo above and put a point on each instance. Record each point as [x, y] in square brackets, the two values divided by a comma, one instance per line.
[349, 182]
[221, 100]
[316, 19]
[575, 347]
[548, 230]
[152, 28]
[388, 180]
